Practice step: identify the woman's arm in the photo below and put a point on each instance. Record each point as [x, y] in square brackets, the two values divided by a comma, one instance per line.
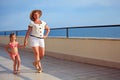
[47, 31]
[27, 35]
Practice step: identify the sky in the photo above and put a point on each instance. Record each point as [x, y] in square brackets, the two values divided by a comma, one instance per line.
[14, 14]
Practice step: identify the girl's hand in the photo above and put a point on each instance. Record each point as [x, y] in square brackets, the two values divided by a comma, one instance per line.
[9, 52]
[44, 37]
[21, 46]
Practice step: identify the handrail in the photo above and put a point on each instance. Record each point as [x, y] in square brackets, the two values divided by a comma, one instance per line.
[98, 26]
[66, 29]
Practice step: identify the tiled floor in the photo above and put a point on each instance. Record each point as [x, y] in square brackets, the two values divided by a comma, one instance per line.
[54, 69]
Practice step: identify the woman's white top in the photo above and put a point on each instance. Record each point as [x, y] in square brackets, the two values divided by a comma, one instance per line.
[37, 29]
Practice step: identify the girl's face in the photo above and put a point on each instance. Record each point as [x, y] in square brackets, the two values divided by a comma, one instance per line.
[36, 15]
[13, 38]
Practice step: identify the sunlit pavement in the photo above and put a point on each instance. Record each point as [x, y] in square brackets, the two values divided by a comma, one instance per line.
[54, 69]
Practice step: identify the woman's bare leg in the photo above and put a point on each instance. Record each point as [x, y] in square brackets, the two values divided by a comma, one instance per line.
[36, 55]
[42, 52]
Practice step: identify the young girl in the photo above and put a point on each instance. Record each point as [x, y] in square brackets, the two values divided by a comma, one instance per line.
[12, 49]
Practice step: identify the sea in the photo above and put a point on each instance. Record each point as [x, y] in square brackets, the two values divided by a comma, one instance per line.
[76, 32]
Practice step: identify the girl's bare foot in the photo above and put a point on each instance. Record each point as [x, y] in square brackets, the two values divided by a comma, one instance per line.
[18, 71]
[14, 72]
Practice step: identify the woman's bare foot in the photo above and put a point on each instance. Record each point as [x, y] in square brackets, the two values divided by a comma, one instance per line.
[35, 64]
[39, 70]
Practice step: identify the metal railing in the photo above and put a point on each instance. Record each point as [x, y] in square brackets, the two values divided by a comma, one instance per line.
[107, 31]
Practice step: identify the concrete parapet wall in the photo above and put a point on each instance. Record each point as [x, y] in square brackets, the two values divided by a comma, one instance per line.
[105, 52]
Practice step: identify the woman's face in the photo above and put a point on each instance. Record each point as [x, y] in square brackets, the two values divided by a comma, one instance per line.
[36, 15]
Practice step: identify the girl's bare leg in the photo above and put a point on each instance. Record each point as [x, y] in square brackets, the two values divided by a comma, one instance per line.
[14, 65]
[19, 63]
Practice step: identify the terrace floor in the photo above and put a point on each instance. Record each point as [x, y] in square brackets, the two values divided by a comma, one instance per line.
[54, 69]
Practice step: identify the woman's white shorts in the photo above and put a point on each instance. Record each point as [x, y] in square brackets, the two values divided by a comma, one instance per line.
[36, 42]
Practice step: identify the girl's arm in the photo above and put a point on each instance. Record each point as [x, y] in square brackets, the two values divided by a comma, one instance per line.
[7, 48]
[27, 35]
[21, 46]
[47, 31]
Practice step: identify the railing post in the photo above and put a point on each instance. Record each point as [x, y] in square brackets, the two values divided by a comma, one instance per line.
[5, 33]
[16, 33]
[67, 33]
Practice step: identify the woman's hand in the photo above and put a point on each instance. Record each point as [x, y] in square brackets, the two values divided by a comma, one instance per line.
[27, 35]
[47, 32]
[25, 43]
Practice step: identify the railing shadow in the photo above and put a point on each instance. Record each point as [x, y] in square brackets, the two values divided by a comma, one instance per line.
[8, 71]
[26, 67]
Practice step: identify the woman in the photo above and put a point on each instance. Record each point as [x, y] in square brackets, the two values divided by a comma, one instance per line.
[36, 33]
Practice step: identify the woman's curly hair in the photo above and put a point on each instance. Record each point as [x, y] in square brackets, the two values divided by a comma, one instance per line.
[34, 11]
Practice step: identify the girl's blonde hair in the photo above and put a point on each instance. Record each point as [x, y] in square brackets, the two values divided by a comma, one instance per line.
[34, 11]
[10, 36]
